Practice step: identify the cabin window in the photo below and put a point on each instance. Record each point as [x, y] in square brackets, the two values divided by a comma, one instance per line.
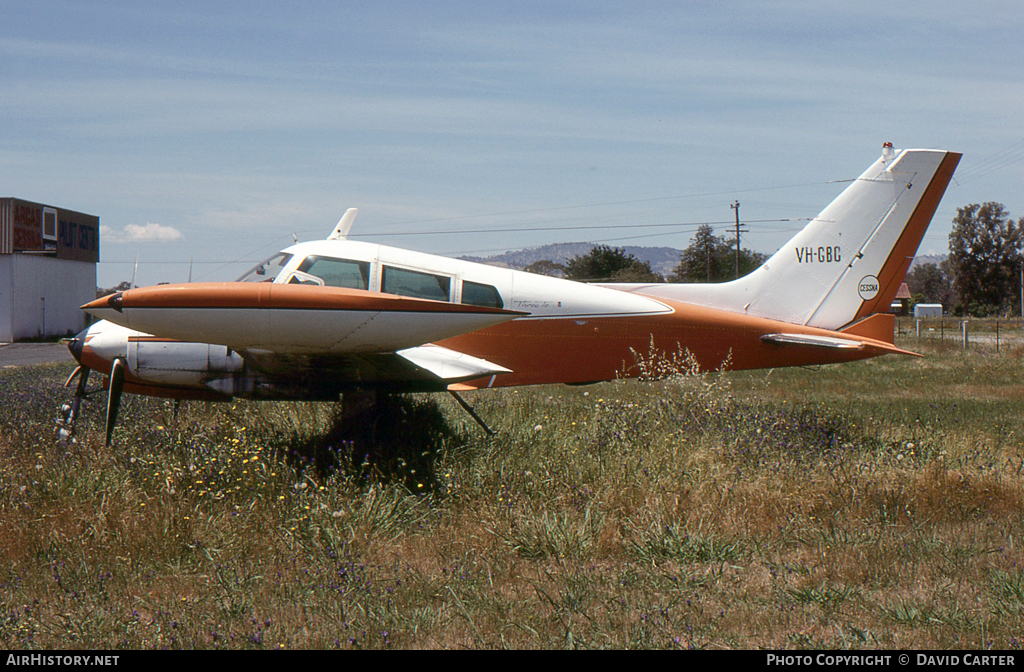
[477, 294]
[268, 270]
[414, 283]
[337, 272]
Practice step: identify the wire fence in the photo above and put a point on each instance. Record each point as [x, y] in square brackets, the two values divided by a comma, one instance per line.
[988, 333]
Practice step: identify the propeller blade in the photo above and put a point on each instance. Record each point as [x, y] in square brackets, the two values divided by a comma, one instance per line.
[78, 370]
[114, 396]
[69, 412]
[79, 394]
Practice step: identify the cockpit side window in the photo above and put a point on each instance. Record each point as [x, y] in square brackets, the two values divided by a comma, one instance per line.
[415, 283]
[337, 272]
[268, 270]
[477, 294]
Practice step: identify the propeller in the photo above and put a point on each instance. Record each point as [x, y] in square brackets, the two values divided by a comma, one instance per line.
[69, 413]
[78, 370]
[114, 396]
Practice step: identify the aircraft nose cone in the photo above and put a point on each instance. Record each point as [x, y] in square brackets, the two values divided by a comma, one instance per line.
[99, 345]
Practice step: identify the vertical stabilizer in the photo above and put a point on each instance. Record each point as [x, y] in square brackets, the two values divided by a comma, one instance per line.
[848, 262]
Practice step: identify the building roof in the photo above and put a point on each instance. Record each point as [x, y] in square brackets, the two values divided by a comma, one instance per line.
[903, 292]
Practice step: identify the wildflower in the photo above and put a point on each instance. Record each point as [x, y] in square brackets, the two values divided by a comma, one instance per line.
[538, 428]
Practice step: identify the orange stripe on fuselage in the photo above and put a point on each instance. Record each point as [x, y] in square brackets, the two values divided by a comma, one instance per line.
[283, 297]
[567, 350]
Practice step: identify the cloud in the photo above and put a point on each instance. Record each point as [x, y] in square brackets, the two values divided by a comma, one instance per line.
[133, 233]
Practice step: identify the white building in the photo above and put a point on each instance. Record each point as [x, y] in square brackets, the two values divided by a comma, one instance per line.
[928, 310]
[48, 260]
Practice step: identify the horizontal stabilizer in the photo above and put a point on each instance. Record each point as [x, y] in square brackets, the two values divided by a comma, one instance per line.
[450, 365]
[879, 326]
[812, 341]
[815, 341]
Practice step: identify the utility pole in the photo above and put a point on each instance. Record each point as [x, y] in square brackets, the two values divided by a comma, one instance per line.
[736, 207]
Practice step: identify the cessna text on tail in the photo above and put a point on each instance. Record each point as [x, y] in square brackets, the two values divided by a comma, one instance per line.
[327, 317]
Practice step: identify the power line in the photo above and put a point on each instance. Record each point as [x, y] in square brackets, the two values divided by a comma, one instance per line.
[519, 229]
[242, 259]
[990, 164]
[610, 203]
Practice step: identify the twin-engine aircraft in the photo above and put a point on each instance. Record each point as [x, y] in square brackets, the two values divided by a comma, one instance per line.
[326, 318]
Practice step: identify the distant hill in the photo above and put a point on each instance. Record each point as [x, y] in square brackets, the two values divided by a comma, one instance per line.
[928, 259]
[662, 259]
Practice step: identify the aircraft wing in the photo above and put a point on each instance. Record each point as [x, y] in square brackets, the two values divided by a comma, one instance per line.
[295, 319]
[262, 340]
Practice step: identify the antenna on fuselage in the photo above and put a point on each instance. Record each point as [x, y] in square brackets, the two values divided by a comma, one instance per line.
[344, 225]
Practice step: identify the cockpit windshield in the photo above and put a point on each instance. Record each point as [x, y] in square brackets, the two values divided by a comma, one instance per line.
[268, 270]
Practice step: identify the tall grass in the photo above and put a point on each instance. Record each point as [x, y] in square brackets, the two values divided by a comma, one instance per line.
[876, 504]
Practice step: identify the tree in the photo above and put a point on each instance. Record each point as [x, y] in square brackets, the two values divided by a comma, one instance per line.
[932, 283]
[711, 258]
[610, 264]
[122, 286]
[546, 267]
[985, 258]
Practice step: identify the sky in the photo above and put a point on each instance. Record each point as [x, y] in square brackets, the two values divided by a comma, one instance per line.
[208, 135]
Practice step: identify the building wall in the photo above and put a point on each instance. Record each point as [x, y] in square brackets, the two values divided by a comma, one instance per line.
[42, 295]
[6, 283]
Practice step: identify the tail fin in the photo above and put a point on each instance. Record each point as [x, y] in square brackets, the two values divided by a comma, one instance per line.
[849, 261]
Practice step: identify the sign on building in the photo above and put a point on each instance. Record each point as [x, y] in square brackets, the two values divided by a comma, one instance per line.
[36, 228]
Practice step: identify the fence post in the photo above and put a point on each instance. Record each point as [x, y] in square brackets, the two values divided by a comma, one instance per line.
[917, 325]
[963, 325]
[997, 335]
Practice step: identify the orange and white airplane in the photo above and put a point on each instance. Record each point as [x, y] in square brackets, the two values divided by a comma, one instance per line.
[324, 318]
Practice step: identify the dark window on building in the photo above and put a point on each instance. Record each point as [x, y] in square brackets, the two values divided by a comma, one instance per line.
[49, 224]
[477, 294]
[414, 283]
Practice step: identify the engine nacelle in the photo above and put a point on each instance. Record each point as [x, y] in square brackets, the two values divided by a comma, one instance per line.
[165, 362]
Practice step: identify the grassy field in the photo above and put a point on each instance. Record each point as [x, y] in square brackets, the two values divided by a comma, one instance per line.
[872, 505]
